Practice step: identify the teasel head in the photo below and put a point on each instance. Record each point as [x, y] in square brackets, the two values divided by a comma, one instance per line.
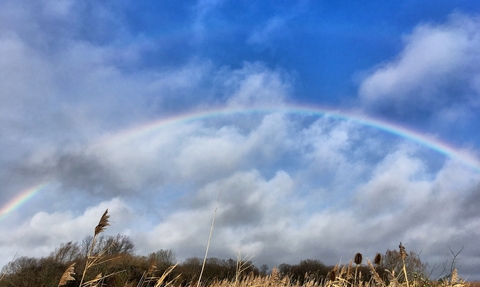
[358, 259]
[403, 253]
[378, 259]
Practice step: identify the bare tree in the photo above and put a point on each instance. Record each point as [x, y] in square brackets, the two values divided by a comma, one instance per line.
[117, 245]
[392, 260]
[66, 253]
[163, 257]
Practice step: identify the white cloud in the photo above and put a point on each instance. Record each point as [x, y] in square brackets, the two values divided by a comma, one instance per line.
[255, 85]
[41, 234]
[55, 103]
[396, 181]
[249, 208]
[184, 152]
[437, 67]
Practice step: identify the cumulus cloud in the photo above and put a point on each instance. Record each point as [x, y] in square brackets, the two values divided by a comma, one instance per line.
[436, 73]
[56, 104]
[253, 210]
[249, 208]
[269, 179]
[43, 232]
[255, 85]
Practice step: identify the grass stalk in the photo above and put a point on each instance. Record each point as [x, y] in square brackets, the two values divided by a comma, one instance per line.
[209, 239]
[403, 254]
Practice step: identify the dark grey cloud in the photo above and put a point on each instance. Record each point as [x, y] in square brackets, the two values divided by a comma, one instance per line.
[87, 173]
[469, 203]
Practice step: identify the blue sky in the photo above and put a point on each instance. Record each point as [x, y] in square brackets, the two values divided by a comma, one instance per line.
[110, 103]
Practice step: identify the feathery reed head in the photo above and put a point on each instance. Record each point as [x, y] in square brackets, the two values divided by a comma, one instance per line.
[378, 259]
[67, 275]
[358, 258]
[102, 223]
[152, 269]
[454, 276]
[275, 275]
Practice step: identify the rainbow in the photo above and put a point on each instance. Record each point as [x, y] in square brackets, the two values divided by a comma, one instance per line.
[138, 131]
[20, 199]
[430, 142]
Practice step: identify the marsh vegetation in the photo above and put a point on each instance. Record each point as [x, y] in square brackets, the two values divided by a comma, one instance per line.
[100, 260]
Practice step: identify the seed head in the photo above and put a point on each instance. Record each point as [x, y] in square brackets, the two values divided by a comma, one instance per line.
[67, 275]
[102, 223]
[358, 258]
[378, 259]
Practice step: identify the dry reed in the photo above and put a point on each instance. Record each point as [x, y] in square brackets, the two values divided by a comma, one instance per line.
[67, 275]
[97, 259]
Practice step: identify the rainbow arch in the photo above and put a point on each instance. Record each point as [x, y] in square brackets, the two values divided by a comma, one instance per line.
[430, 142]
[21, 198]
[409, 134]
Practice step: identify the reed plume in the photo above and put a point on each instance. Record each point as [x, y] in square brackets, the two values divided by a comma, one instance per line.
[102, 223]
[67, 275]
[94, 260]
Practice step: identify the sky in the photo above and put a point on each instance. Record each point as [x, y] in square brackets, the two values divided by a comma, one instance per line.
[317, 129]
